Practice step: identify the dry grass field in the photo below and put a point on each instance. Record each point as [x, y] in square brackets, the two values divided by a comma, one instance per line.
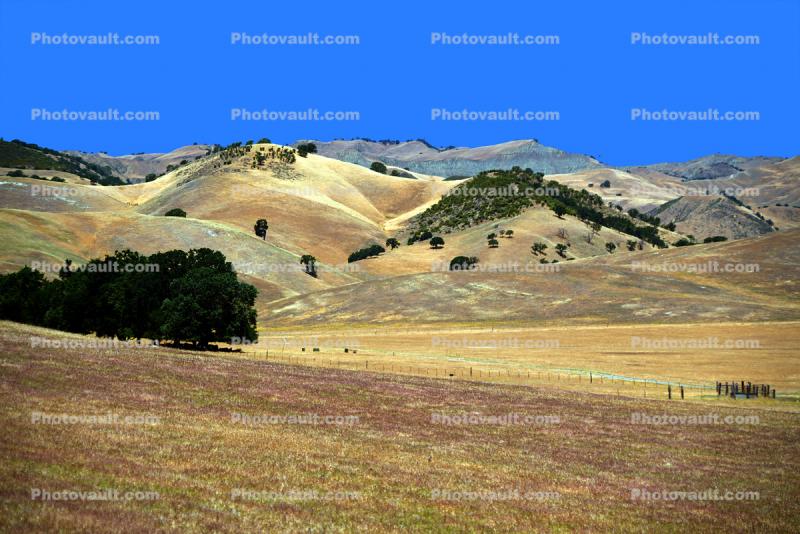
[574, 461]
[631, 359]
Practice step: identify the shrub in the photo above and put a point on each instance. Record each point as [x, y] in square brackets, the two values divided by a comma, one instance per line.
[175, 212]
[715, 239]
[367, 252]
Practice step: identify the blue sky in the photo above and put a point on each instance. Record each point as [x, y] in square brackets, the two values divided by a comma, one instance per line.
[593, 78]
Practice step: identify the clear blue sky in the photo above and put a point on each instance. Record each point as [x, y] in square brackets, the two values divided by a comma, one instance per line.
[394, 77]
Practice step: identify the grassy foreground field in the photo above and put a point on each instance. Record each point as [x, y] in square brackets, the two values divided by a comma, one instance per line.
[579, 462]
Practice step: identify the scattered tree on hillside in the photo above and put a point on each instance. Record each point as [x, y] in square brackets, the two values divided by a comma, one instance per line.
[263, 141]
[631, 244]
[261, 228]
[561, 249]
[150, 177]
[309, 264]
[368, 252]
[491, 236]
[463, 263]
[538, 248]
[392, 243]
[509, 234]
[715, 239]
[175, 212]
[494, 243]
[308, 148]
[437, 242]
[424, 235]
[611, 247]
[377, 166]
[559, 210]
[605, 183]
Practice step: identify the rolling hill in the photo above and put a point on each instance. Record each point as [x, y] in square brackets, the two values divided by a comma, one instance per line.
[134, 168]
[17, 154]
[330, 208]
[420, 156]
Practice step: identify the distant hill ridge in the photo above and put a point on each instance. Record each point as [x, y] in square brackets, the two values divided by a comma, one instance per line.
[421, 156]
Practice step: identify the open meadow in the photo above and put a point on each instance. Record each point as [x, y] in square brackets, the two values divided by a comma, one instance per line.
[201, 442]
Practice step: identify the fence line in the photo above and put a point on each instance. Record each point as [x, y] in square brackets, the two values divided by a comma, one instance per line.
[622, 385]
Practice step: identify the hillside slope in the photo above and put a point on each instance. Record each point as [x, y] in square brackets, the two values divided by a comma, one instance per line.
[707, 216]
[621, 288]
[421, 157]
[134, 167]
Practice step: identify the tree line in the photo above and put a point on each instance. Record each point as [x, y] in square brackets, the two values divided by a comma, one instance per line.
[192, 296]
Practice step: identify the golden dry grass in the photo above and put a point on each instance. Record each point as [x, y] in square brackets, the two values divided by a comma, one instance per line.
[582, 467]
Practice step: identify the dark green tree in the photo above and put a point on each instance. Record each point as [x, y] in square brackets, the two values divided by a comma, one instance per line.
[309, 264]
[437, 242]
[377, 166]
[463, 263]
[261, 228]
